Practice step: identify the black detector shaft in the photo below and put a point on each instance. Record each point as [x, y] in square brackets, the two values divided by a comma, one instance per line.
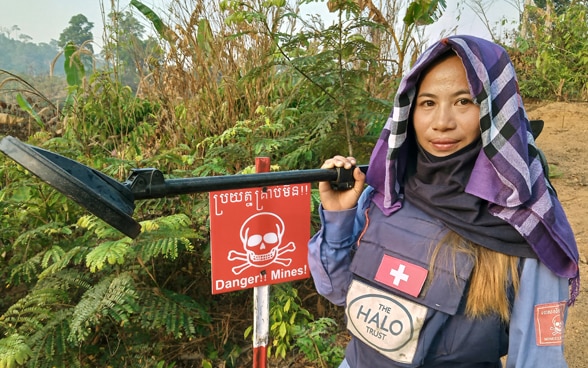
[150, 183]
[113, 201]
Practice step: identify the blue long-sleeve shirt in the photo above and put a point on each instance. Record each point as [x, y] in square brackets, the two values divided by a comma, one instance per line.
[533, 326]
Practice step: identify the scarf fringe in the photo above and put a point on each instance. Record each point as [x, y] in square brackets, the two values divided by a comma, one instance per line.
[574, 290]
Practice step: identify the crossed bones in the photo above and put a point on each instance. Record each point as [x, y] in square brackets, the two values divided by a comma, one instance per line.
[274, 256]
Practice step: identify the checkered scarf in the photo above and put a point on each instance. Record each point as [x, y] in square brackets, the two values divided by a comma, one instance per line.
[508, 172]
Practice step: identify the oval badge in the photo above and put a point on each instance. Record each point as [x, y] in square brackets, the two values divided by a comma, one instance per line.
[388, 323]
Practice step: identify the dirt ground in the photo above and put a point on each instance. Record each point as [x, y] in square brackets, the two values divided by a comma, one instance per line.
[563, 141]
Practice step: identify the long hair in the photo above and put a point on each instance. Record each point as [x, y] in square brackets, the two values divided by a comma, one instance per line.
[494, 275]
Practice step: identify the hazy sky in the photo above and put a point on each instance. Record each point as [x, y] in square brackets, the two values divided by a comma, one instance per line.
[44, 20]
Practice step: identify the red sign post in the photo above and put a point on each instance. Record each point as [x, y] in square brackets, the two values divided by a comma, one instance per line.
[259, 237]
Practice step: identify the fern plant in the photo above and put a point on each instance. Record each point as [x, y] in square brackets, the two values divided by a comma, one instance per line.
[81, 294]
[13, 350]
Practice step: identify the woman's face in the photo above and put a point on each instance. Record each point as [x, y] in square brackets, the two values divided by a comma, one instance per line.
[445, 118]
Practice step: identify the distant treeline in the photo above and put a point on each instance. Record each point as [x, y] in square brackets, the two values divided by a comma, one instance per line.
[27, 58]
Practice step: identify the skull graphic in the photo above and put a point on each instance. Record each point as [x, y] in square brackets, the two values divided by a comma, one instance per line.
[557, 326]
[261, 236]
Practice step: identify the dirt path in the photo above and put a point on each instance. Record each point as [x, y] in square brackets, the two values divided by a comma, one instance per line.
[564, 143]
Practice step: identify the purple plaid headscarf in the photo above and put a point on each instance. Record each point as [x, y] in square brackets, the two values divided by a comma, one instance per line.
[507, 173]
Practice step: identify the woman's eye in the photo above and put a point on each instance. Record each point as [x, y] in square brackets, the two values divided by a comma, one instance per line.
[464, 101]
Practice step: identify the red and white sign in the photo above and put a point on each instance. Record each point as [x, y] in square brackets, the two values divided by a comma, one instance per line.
[401, 275]
[259, 236]
[549, 323]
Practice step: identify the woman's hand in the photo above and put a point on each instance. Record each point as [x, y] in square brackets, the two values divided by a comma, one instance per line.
[334, 200]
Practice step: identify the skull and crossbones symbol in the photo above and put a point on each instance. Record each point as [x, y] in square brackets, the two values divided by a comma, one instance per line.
[261, 236]
[557, 327]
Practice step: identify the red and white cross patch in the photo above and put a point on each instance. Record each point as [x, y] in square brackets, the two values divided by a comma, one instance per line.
[401, 275]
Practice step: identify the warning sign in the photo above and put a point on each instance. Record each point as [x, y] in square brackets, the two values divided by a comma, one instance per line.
[259, 236]
[549, 323]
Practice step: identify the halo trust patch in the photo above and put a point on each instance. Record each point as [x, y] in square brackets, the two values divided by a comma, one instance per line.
[388, 323]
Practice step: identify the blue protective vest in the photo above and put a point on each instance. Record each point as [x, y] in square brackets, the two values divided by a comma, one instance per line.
[395, 308]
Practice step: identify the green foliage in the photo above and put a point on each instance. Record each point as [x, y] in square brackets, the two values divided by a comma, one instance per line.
[238, 146]
[26, 58]
[552, 58]
[78, 35]
[173, 312]
[85, 282]
[13, 351]
[560, 6]
[162, 29]
[327, 108]
[78, 32]
[111, 252]
[74, 68]
[318, 342]
[110, 118]
[126, 50]
[113, 297]
[26, 106]
[73, 307]
[286, 313]
[424, 12]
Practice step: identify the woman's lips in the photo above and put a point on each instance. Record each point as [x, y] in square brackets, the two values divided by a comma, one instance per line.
[444, 144]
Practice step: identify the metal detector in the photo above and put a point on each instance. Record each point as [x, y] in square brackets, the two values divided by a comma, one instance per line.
[113, 201]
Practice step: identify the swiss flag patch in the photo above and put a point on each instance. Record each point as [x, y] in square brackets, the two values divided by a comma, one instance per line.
[401, 275]
[549, 323]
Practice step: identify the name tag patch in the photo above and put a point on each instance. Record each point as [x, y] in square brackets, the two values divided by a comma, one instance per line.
[401, 275]
[388, 323]
[549, 323]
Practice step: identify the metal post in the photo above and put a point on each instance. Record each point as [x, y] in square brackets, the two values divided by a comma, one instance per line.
[261, 301]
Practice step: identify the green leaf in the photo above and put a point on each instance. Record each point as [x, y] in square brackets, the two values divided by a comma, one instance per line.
[52, 255]
[21, 194]
[204, 36]
[162, 29]
[111, 252]
[26, 106]
[74, 68]
[13, 349]
[283, 330]
[424, 12]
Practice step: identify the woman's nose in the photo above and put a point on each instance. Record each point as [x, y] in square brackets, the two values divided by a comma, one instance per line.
[445, 118]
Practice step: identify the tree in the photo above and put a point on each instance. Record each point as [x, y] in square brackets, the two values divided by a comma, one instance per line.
[78, 32]
[560, 6]
[551, 55]
[24, 57]
[126, 50]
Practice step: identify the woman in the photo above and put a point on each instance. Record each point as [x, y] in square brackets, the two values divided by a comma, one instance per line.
[458, 251]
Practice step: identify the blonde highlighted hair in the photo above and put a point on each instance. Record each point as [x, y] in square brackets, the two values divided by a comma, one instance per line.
[493, 276]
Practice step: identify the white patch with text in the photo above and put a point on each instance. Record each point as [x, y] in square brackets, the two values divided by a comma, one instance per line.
[388, 323]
